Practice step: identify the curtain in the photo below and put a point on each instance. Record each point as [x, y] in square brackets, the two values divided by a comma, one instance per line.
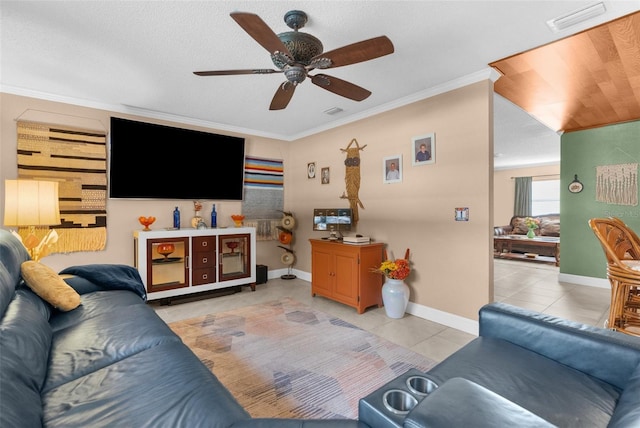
[522, 201]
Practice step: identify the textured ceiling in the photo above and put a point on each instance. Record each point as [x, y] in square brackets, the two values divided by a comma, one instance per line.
[138, 57]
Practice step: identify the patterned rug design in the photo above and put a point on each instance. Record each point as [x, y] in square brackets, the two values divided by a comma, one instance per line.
[285, 359]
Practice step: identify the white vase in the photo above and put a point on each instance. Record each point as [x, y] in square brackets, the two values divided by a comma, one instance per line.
[395, 296]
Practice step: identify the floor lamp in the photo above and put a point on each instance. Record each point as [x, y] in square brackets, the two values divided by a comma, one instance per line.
[32, 203]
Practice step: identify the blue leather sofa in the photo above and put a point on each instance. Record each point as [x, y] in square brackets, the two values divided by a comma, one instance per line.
[111, 362]
[525, 369]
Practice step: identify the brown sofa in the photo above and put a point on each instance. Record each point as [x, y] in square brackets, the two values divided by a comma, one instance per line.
[549, 226]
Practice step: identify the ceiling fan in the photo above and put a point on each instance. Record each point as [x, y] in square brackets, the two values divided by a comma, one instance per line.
[296, 54]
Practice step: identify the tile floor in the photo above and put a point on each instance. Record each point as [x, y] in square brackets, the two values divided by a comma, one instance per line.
[529, 285]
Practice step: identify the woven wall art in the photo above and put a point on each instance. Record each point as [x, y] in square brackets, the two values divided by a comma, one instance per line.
[617, 184]
[263, 201]
[77, 160]
[352, 178]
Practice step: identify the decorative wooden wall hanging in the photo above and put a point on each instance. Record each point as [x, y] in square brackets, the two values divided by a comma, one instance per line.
[352, 178]
[617, 184]
[77, 160]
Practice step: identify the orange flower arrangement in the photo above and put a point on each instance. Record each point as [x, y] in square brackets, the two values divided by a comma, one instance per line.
[395, 269]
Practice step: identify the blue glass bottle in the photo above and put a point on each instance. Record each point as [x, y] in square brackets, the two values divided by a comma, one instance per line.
[176, 218]
[214, 217]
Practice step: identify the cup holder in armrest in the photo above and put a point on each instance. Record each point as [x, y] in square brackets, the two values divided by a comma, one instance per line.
[398, 401]
[421, 385]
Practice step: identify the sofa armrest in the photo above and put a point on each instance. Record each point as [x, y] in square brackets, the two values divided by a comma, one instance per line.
[462, 403]
[604, 354]
[502, 230]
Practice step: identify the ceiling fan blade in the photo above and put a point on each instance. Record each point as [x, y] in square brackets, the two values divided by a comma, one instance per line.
[340, 87]
[260, 31]
[282, 96]
[354, 53]
[234, 72]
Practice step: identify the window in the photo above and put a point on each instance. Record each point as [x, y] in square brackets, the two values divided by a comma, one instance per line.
[545, 197]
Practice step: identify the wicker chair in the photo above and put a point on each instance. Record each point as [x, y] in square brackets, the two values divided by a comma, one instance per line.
[621, 247]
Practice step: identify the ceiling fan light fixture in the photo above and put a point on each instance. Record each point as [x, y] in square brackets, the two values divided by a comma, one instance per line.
[302, 46]
[570, 19]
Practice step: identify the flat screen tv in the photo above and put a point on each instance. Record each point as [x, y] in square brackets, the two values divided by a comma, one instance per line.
[332, 219]
[149, 161]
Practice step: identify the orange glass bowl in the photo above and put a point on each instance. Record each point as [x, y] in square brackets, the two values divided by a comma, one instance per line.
[237, 219]
[165, 249]
[146, 221]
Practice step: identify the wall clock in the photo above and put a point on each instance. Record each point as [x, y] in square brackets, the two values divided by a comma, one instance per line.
[575, 186]
[311, 170]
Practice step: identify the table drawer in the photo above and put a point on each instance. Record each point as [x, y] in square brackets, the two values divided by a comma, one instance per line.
[204, 276]
[204, 243]
[204, 260]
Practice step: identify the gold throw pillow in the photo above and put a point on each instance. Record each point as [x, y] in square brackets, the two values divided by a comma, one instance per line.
[47, 284]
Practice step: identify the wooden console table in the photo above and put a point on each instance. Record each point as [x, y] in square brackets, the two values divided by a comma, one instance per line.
[503, 248]
[342, 272]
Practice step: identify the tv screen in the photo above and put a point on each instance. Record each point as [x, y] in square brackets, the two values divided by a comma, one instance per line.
[149, 161]
[332, 219]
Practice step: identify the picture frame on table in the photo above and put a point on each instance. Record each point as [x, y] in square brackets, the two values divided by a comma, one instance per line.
[392, 169]
[423, 148]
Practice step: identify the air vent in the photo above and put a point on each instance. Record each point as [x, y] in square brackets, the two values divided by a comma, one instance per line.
[565, 21]
[333, 110]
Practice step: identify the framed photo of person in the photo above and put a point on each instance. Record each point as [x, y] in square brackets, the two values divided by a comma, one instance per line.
[325, 174]
[423, 148]
[392, 169]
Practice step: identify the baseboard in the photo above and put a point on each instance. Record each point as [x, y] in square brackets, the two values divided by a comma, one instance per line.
[277, 273]
[445, 318]
[584, 280]
[451, 320]
[424, 312]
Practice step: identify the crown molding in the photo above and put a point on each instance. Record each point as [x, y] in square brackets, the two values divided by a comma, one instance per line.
[485, 74]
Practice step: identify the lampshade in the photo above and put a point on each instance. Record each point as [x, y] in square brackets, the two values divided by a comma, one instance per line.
[31, 203]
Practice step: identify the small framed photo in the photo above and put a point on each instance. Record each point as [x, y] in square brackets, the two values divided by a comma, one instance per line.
[423, 148]
[311, 170]
[462, 214]
[326, 175]
[392, 169]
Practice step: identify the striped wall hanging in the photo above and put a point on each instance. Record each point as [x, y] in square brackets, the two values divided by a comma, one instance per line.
[263, 201]
[77, 160]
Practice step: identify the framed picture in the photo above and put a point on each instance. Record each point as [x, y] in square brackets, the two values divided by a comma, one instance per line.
[325, 174]
[311, 170]
[423, 148]
[392, 169]
[462, 214]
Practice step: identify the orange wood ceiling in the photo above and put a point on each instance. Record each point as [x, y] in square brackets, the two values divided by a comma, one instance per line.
[587, 80]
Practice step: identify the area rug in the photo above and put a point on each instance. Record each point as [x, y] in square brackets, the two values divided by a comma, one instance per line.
[285, 359]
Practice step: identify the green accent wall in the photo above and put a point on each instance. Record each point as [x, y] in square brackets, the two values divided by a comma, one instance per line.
[581, 153]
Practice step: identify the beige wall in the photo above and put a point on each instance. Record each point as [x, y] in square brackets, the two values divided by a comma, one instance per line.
[504, 188]
[122, 214]
[450, 259]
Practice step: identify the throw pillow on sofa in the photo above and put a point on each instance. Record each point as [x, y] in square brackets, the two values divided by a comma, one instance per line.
[549, 226]
[519, 226]
[47, 284]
